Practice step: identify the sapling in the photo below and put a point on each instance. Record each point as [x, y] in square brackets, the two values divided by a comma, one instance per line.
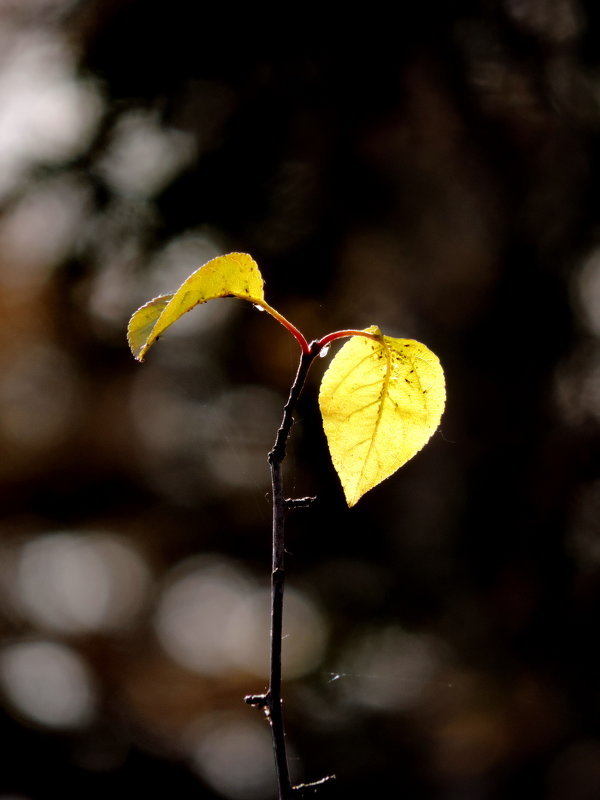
[381, 399]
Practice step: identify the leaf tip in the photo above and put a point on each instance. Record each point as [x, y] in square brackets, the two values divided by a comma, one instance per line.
[353, 494]
[136, 347]
[140, 330]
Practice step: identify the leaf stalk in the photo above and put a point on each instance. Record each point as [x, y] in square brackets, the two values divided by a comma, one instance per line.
[331, 337]
[298, 335]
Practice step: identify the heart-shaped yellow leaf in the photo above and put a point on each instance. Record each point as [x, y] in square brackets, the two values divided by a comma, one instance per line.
[232, 275]
[381, 400]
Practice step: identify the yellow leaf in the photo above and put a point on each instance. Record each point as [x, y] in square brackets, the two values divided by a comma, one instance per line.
[143, 321]
[232, 275]
[381, 400]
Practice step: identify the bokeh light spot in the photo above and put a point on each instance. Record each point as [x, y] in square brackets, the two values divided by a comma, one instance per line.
[588, 291]
[143, 157]
[304, 634]
[39, 231]
[80, 583]
[47, 683]
[47, 115]
[195, 610]
[233, 754]
[212, 619]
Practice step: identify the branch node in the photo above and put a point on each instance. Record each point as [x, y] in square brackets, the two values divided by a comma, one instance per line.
[257, 700]
[298, 502]
[314, 788]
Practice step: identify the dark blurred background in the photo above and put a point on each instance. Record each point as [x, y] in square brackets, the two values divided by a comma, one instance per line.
[433, 170]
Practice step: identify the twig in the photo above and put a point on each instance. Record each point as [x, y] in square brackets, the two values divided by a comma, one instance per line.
[292, 503]
[270, 702]
[276, 457]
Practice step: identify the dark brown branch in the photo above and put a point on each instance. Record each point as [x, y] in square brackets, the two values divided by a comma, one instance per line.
[276, 457]
[270, 702]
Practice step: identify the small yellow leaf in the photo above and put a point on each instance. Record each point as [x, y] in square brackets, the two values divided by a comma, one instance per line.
[143, 321]
[232, 275]
[381, 400]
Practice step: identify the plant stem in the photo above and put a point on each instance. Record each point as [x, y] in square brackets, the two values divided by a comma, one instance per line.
[270, 702]
[331, 337]
[276, 457]
[298, 335]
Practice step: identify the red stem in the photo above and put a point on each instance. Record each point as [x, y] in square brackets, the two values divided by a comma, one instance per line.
[304, 346]
[331, 337]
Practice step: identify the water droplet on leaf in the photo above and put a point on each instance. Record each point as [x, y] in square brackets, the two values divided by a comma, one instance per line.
[257, 307]
[323, 351]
